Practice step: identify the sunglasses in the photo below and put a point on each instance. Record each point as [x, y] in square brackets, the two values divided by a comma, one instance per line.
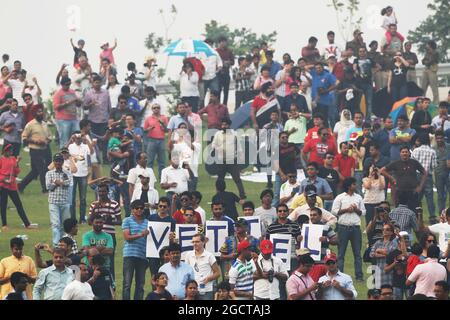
[282, 211]
[325, 134]
[156, 108]
[162, 207]
[292, 177]
[431, 241]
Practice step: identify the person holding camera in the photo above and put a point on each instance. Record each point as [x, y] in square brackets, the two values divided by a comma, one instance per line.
[374, 185]
[397, 84]
[378, 218]
[270, 271]
[189, 79]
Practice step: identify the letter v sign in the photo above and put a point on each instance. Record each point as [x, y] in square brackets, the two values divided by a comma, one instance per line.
[158, 243]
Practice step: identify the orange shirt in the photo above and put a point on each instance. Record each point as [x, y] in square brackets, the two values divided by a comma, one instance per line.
[158, 131]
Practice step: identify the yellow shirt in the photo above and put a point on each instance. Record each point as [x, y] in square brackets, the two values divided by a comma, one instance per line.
[10, 265]
[36, 130]
[300, 200]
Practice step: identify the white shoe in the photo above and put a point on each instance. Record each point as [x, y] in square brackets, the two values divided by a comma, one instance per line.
[26, 149]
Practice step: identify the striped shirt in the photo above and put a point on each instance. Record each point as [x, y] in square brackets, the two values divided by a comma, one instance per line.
[241, 275]
[135, 248]
[110, 211]
[243, 83]
[289, 227]
[426, 157]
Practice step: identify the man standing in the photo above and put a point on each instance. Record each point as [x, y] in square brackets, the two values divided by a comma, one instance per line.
[316, 150]
[441, 171]
[213, 64]
[400, 136]
[206, 269]
[335, 285]
[343, 163]
[381, 137]
[37, 136]
[331, 49]
[300, 285]
[179, 273]
[133, 179]
[310, 53]
[363, 67]
[389, 47]
[98, 103]
[426, 156]
[58, 182]
[421, 120]
[441, 121]
[99, 240]
[79, 289]
[404, 217]
[215, 111]
[241, 75]
[12, 123]
[52, 281]
[307, 209]
[349, 207]
[411, 57]
[80, 150]
[135, 232]
[429, 78]
[270, 272]
[65, 103]
[375, 158]
[224, 73]
[241, 273]
[174, 179]
[323, 85]
[356, 43]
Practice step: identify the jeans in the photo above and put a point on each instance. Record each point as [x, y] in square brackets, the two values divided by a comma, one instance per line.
[81, 182]
[359, 175]
[206, 296]
[400, 293]
[443, 187]
[58, 213]
[276, 191]
[14, 195]
[428, 192]
[352, 234]
[65, 130]
[40, 159]
[192, 101]
[224, 85]
[241, 98]
[130, 266]
[124, 193]
[15, 147]
[398, 93]
[157, 148]
[192, 184]
[367, 88]
[98, 130]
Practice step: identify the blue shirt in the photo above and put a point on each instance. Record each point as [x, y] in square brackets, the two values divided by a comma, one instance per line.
[178, 277]
[324, 80]
[137, 146]
[8, 118]
[395, 148]
[157, 218]
[133, 104]
[332, 293]
[321, 184]
[50, 283]
[274, 69]
[175, 121]
[381, 137]
[135, 248]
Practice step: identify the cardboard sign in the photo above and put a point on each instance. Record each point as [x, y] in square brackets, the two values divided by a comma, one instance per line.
[282, 248]
[216, 232]
[254, 225]
[311, 234]
[184, 234]
[157, 238]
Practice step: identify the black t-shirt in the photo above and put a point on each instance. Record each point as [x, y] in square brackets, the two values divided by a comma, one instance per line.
[364, 67]
[102, 286]
[405, 172]
[399, 271]
[78, 54]
[398, 75]
[331, 176]
[287, 158]
[229, 199]
[156, 296]
[298, 100]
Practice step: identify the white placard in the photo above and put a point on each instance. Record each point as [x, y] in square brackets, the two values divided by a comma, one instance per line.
[254, 225]
[157, 238]
[311, 234]
[282, 248]
[184, 234]
[216, 232]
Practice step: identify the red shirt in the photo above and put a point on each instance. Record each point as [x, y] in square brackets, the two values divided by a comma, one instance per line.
[258, 103]
[179, 217]
[9, 171]
[157, 132]
[313, 134]
[345, 164]
[317, 150]
[215, 114]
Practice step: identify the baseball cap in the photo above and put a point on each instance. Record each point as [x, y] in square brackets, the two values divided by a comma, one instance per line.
[241, 222]
[311, 193]
[302, 251]
[64, 150]
[58, 157]
[243, 245]
[266, 246]
[331, 257]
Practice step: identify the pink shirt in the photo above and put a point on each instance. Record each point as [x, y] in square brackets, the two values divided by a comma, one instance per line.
[157, 132]
[68, 112]
[108, 53]
[426, 275]
[297, 283]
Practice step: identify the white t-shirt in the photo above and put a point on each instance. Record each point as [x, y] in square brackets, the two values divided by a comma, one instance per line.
[77, 290]
[33, 93]
[133, 176]
[202, 266]
[202, 213]
[442, 230]
[180, 176]
[187, 155]
[263, 288]
[77, 151]
[114, 93]
[267, 217]
[211, 64]
[17, 88]
[332, 49]
[189, 85]
[286, 190]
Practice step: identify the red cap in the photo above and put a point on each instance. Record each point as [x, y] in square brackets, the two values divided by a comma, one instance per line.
[243, 245]
[266, 247]
[331, 257]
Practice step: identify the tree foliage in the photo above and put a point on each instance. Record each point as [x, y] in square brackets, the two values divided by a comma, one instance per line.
[436, 27]
[241, 41]
[347, 17]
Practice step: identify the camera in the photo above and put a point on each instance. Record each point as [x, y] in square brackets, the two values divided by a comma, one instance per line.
[270, 275]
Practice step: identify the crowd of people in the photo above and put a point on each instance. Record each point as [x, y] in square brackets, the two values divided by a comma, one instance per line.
[336, 163]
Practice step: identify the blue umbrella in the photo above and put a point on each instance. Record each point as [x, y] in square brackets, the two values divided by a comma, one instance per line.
[189, 47]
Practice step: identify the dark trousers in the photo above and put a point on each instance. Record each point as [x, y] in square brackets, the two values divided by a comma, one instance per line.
[98, 130]
[124, 193]
[132, 265]
[15, 147]
[40, 159]
[224, 86]
[398, 93]
[352, 234]
[111, 265]
[81, 182]
[241, 98]
[14, 195]
[232, 169]
[192, 101]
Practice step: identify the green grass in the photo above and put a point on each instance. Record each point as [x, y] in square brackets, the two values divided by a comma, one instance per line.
[36, 207]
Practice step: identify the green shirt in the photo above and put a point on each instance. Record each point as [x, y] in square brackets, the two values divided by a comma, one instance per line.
[299, 135]
[92, 239]
[113, 143]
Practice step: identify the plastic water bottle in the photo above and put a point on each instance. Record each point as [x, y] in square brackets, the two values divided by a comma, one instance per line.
[202, 288]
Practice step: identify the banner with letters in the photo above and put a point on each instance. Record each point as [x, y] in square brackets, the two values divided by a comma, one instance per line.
[157, 238]
[311, 235]
[184, 234]
[282, 248]
[254, 226]
[216, 232]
